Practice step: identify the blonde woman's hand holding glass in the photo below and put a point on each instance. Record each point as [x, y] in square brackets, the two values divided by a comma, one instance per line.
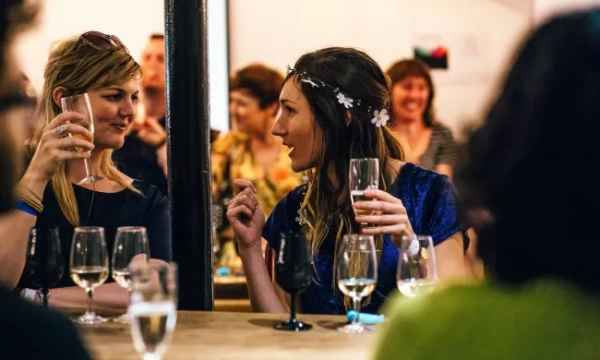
[56, 147]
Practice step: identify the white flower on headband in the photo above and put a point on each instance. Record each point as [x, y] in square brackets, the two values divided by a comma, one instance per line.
[309, 81]
[381, 118]
[299, 218]
[344, 100]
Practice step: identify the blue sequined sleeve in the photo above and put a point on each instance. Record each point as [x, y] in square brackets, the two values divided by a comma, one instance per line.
[443, 219]
[283, 217]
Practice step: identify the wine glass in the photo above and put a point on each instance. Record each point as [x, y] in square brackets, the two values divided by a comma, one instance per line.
[364, 175]
[153, 308]
[81, 104]
[357, 274]
[293, 273]
[89, 266]
[130, 242]
[416, 266]
[45, 262]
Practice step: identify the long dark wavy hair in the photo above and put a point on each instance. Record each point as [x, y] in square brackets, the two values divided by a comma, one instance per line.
[347, 133]
[530, 166]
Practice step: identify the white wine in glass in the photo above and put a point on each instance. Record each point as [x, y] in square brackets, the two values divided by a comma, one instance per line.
[153, 309]
[416, 273]
[81, 104]
[357, 274]
[130, 248]
[89, 266]
[363, 175]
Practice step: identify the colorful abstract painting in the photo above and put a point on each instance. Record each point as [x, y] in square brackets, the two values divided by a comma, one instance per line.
[436, 57]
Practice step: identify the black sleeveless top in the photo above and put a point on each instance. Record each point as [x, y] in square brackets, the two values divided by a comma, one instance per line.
[111, 210]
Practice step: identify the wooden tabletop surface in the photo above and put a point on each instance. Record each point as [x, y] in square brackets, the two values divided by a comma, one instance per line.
[224, 335]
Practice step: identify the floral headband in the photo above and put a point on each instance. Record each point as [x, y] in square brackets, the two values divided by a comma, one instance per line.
[380, 117]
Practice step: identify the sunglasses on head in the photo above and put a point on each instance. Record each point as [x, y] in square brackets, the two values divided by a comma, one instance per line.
[99, 40]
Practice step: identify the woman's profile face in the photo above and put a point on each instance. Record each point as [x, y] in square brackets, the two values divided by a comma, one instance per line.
[410, 97]
[114, 109]
[298, 129]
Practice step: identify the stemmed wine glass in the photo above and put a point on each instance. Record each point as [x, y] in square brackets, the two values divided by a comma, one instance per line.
[81, 104]
[130, 242]
[45, 262]
[417, 273]
[364, 175]
[357, 274]
[153, 308]
[293, 273]
[89, 266]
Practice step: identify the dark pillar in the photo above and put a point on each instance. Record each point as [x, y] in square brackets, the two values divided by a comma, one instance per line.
[188, 132]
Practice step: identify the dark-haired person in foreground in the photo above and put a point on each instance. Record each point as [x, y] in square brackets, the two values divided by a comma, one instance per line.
[530, 189]
[51, 334]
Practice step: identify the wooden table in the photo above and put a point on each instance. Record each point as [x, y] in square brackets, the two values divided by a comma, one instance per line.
[222, 335]
[231, 294]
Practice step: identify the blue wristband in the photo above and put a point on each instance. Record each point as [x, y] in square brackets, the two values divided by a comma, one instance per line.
[26, 208]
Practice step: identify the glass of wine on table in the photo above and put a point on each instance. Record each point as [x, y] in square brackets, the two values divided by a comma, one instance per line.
[89, 266]
[153, 308]
[357, 274]
[130, 248]
[417, 273]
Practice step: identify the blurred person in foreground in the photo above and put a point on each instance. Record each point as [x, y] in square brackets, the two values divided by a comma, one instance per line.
[54, 335]
[531, 199]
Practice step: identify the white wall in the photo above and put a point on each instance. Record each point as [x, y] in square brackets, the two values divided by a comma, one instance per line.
[280, 31]
[276, 32]
[545, 8]
[131, 20]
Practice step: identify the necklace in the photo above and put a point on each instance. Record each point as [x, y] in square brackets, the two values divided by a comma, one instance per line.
[89, 214]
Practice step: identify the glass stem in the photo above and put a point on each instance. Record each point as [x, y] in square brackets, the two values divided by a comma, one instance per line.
[44, 296]
[128, 298]
[88, 167]
[90, 294]
[356, 320]
[293, 306]
[151, 356]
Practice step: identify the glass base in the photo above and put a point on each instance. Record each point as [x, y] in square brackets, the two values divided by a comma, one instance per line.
[91, 179]
[90, 319]
[293, 325]
[355, 328]
[123, 319]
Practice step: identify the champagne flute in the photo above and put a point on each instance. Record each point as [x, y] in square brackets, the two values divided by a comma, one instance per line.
[293, 273]
[357, 274]
[89, 266]
[130, 242]
[417, 273]
[45, 264]
[81, 104]
[364, 175]
[153, 308]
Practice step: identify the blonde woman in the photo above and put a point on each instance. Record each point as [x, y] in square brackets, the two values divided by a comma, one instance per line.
[100, 65]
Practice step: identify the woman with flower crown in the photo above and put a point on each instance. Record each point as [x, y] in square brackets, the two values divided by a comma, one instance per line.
[335, 106]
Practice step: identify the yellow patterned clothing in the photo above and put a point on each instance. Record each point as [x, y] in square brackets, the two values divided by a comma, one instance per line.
[231, 159]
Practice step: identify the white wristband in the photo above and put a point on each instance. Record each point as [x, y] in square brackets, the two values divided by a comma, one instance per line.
[29, 295]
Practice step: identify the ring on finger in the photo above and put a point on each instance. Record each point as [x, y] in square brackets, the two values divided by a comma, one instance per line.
[60, 130]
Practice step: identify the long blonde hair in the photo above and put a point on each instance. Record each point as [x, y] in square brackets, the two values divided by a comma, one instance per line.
[78, 66]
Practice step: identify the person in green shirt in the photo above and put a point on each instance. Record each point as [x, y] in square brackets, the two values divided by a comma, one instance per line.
[530, 195]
